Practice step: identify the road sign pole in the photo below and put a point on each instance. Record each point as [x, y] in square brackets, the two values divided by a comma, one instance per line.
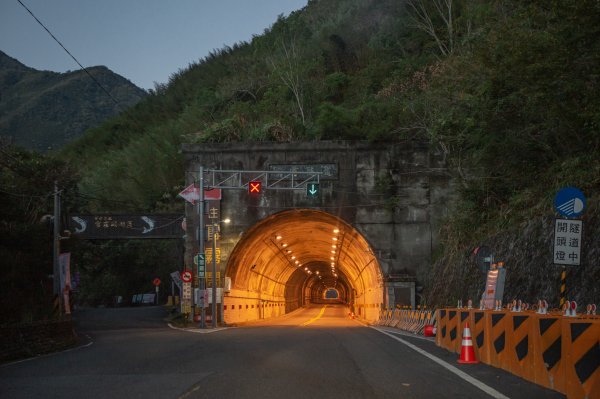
[201, 243]
[214, 276]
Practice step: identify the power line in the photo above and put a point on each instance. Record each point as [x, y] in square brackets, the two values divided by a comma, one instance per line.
[71, 55]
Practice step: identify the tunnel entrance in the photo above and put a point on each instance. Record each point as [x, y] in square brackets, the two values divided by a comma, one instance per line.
[292, 259]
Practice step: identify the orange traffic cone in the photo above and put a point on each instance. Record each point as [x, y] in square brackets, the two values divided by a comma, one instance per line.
[467, 354]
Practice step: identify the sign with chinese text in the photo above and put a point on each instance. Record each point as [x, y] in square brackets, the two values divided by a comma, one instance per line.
[494, 287]
[209, 255]
[110, 227]
[567, 242]
[186, 298]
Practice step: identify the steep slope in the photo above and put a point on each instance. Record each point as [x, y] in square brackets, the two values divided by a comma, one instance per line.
[44, 110]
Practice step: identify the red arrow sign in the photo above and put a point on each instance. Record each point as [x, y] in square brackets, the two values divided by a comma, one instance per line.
[156, 281]
[192, 193]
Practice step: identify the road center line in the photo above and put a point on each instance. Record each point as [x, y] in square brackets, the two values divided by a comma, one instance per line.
[317, 317]
[485, 388]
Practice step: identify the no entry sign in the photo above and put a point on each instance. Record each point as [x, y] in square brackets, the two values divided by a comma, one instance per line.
[186, 276]
[156, 282]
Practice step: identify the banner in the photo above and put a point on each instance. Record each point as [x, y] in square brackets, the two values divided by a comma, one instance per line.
[110, 227]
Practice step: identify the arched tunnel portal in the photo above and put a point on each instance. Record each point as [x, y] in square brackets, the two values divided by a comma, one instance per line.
[292, 258]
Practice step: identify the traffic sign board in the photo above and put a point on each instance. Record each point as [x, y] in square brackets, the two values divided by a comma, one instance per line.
[186, 276]
[200, 259]
[192, 193]
[312, 189]
[156, 281]
[569, 202]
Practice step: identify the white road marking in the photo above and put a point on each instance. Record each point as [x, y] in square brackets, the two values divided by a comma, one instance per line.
[199, 330]
[50, 354]
[485, 388]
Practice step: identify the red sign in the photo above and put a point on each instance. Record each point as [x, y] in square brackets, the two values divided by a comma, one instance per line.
[254, 187]
[192, 193]
[156, 281]
[186, 276]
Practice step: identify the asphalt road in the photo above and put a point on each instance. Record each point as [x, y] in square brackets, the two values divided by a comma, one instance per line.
[312, 353]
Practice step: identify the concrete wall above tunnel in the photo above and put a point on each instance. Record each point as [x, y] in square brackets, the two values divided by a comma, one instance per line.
[389, 198]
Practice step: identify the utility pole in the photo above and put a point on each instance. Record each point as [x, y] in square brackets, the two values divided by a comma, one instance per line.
[201, 281]
[56, 249]
[214, 275]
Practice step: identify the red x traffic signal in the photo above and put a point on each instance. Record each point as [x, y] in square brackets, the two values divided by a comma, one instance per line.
[254, 187]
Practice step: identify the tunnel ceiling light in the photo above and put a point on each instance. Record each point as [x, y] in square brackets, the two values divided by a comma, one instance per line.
[332, 258]
[334, 246]
[336, 231]
[293, 257]
[278, 237]
[289, 251]
[317, 272]
[333, 251]
[334, 238]
[297, 262]
[306, 268]
[284, 245]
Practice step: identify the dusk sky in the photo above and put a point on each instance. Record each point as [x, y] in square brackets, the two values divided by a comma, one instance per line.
[146, 41]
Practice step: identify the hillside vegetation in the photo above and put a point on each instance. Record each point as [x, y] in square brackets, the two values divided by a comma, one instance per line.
[508, 90]
[43, 110]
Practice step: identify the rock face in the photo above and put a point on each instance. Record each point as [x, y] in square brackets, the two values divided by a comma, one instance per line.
[530, 273]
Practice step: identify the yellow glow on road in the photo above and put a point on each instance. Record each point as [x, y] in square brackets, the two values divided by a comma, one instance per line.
[317, 317]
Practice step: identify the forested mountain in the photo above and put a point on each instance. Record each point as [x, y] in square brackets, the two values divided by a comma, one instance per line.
[508, 90]
[44, 110]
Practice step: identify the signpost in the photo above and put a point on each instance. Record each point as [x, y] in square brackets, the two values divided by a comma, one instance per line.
[186, 276]
[200, 261]
[567, 242]
[186, 300]
[156, 283]
[569, 202]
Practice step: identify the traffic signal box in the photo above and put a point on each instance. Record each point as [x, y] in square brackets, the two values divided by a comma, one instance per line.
[312, 190]
[254, 187]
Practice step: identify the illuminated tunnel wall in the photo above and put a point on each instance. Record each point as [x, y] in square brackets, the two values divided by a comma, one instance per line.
[292, 258]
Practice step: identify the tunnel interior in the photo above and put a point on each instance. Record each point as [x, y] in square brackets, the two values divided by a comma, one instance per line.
[300, 257]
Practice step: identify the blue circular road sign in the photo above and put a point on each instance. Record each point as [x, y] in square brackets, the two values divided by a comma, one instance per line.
[569, 202]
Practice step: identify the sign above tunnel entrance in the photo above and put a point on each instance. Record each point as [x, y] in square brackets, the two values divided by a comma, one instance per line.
[312, 189]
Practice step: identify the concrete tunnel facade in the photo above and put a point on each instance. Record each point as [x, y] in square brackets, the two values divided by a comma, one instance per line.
[292, 258]
[388, 201]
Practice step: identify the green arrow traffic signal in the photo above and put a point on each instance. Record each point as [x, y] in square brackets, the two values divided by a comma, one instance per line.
[312, 189]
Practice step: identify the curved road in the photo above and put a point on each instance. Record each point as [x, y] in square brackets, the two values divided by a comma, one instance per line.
[316, 352]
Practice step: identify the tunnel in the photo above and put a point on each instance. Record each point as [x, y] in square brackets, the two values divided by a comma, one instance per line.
[300, 257]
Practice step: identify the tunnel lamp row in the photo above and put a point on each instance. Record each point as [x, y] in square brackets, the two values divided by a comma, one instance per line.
[288, 251]
[334, 251]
